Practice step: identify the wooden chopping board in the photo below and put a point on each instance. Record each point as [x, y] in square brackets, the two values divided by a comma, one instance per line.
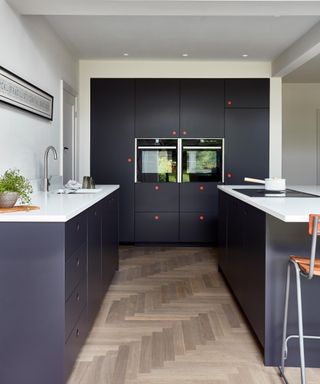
[19, 208]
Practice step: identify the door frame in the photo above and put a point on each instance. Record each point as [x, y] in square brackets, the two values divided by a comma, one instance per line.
[66, 87]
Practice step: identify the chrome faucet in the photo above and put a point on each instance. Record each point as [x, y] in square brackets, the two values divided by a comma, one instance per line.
[46, 182]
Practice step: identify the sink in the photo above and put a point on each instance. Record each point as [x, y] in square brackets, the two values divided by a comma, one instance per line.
[78, 191]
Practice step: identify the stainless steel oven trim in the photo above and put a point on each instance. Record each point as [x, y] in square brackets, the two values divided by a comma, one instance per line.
[135, 161]
[153, 147]
[195, 147]
[179, 168]
[200, 138]
[157, 147]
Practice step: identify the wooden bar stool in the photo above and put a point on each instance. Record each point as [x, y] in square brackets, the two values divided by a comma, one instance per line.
[307, 268]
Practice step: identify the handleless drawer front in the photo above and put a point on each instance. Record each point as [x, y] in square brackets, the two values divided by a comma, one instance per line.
[76, 233]
[156, 227]
[159, 197]
[198, 227]
[75, 342]
[75, 269]
[197, 197]
[74, 306]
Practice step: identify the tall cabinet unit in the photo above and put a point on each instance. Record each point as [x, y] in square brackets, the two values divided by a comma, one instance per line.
[176, 209]
[112, 143]
[246, 129]
[201, 116]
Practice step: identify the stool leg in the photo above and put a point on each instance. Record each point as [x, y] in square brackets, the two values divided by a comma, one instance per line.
[300, 323]
[285, 321]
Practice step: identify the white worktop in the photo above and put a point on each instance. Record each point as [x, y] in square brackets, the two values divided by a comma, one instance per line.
[58, 207]
[288, 209]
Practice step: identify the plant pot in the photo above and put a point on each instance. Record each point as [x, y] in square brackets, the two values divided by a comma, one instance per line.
[8, 199]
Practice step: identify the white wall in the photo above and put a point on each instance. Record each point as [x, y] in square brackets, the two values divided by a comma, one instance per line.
[30, 49]
[175, 69]
[300, 136]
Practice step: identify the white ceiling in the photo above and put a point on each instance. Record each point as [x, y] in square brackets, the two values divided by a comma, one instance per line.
[167, 37]
[277, 31]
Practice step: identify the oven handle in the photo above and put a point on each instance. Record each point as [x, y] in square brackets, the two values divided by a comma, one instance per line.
[198, 147]
[158, 147]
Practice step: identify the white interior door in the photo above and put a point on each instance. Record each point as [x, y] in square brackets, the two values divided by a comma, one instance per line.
[69, 109]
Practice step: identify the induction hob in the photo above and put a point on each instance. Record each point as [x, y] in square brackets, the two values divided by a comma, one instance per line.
[263, 193]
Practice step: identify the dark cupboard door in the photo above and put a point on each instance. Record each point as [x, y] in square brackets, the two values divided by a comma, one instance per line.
[110, 259]
[112, 143]
[157, 227]
[157, 108]
[247, 93]
[94, 261]
[157, 197]
[197, 197]
[198, 227]
[246, 144]
[202, 108]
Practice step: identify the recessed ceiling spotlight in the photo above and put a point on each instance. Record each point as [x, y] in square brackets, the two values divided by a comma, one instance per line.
[126, 54]
[245, 55]
[185, 54]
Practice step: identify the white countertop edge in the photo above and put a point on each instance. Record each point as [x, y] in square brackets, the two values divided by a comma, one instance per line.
[50, 212]
[259, 202]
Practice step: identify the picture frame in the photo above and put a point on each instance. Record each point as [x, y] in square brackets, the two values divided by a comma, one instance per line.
[21, 94]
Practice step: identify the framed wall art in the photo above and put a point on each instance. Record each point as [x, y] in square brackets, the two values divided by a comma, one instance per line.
[20, 93]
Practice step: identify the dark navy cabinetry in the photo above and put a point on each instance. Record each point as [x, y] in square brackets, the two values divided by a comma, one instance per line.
[157, 108]
[202, 108]
[112, 143]
[51, 286]
[247, 93]
[246, 144]
[235, 110]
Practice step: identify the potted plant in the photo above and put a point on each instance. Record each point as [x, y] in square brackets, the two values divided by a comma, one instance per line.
[13, 186]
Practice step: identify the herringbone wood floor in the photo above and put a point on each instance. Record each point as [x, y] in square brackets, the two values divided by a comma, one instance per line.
[168, 318]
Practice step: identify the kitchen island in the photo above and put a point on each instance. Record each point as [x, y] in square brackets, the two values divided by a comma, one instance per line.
[56, 264]
[256, 237]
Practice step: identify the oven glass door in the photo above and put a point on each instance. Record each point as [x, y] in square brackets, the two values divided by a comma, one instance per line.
[156, 161]
[202, 160]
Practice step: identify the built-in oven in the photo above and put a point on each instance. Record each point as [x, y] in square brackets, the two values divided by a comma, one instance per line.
[156, 160]
[201, 160]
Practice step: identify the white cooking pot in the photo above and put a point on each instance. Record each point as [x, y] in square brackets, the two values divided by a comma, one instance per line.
[272, 184]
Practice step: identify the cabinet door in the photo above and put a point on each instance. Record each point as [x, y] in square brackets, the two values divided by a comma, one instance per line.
[157, 197]
[110, 257]
[202, 108]
[197, 197]
[247, 93]
[94, 261]
[112, 143]
[198, 227]
[246, 144]
[157, 108]
[156, 227]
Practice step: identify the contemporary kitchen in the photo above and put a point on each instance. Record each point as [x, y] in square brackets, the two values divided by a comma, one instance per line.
[159, 192]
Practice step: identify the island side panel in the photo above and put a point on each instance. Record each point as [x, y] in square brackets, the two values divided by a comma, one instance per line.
[242, 257]
[285, 239]
[32, 303]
